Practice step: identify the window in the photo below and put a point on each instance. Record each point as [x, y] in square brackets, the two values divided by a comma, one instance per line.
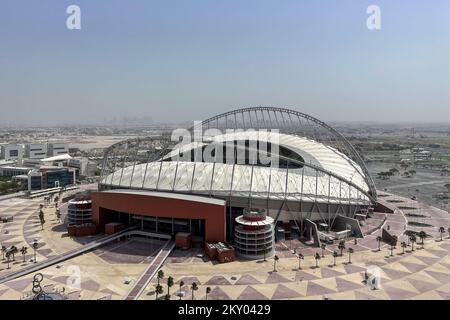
[13, 153]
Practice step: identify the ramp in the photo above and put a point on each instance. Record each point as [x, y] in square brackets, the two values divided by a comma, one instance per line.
[150, 271]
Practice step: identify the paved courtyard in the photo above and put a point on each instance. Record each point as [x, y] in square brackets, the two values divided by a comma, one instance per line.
[110, 271]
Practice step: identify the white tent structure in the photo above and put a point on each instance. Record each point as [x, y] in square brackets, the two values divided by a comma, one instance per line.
[314, 173]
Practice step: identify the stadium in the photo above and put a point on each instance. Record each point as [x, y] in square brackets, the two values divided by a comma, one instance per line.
[294, 170]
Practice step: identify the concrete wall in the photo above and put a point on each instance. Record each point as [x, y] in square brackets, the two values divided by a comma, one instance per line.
[341, 222]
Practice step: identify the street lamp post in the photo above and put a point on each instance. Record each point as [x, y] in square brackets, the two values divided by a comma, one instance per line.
[35, 246]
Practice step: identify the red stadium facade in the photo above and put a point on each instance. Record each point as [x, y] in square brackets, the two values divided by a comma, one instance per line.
[167, 211]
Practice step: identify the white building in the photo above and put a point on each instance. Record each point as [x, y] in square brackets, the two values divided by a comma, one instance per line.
[56, 149]
[36, 151]
[12, 152]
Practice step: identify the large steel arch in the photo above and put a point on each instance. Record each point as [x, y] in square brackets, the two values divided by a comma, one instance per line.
[292, 122]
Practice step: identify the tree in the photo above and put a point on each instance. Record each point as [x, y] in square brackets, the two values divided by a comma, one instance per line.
[181, 285]
[441, 231]
[208, 290]
[169, 285]
[160, 275]
[394, 171]
[317, 257]
[41, 219]
[3, 252]
[275, 260]
[413, 240]
[404, 245]
[24, 250]
[194, 287]
[341, 246]
[13, 250]
[300, 258]
[159, 290]
[323, 247]
[422, 236]
[335, 255]
[379, 242]
[350, 251]
[8, 258]
[265, 251]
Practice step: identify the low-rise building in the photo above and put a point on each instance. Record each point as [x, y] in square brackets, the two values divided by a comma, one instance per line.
[12, 152]
[36, 151]
[57, 149]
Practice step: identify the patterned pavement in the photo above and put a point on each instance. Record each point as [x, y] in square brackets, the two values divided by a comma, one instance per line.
[422, 274]
[108, 273]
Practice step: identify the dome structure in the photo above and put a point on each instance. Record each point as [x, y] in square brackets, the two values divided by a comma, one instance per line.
[290, 164]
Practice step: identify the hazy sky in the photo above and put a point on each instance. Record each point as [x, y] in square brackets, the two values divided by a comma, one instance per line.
[176, 60]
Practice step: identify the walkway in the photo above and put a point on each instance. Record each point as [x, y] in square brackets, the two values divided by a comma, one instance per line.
[73, 253]
[149, 273]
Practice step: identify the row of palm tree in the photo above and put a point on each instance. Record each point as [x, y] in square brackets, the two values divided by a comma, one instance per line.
[9, 254]
[170, 282]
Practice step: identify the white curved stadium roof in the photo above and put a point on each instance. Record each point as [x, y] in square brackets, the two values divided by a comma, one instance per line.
[327, 176]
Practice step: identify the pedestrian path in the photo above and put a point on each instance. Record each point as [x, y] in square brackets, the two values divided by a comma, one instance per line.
[150, 272]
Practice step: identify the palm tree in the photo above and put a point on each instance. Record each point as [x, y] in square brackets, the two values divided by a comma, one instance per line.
[413, 239]
[3, 252]
[265, 251]
[169, 285]
[8, 256]
[24, 250]
[194, 287]
[392, 250]
[300, 258]
[441, 231]
[208, 290]
[181, 285]
[323, 246]
[41, 219]
[341, 246]
[275, 260]
[350, 251]
[379, 242]
[404, 245]
[335, 255]
[422, 236]
[159, 290]
[160, 275]
[13, 251]
[317, 257]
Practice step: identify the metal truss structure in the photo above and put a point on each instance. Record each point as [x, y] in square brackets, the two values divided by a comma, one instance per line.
[312, 191]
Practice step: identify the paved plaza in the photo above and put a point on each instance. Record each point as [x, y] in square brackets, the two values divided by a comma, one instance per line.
[110, 271]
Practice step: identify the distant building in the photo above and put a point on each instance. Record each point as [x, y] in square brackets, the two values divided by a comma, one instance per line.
[56, 149]
[36, 151]
[10, 171]
[12, 152]
[51, 177]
